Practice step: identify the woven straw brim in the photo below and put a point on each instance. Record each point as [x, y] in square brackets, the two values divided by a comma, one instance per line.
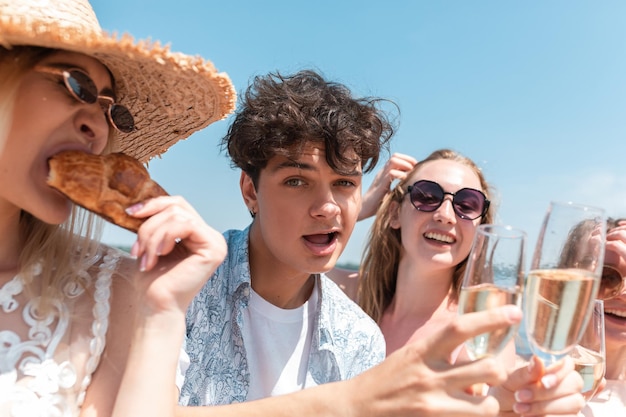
[170, 95]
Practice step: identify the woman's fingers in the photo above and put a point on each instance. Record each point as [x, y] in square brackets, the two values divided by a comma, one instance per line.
[401, 163]
[169, 220]
[176, 250]
[557, 391]
[396, 168]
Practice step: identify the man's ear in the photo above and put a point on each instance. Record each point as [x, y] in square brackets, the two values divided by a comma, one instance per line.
[248, 192]
[394, 215]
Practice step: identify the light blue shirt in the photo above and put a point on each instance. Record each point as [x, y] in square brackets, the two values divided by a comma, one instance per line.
[346, 341]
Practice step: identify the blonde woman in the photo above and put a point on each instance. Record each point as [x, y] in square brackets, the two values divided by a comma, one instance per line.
[70, 306]
[413, 264]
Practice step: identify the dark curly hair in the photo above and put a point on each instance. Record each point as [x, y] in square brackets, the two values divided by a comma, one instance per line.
[280, 114]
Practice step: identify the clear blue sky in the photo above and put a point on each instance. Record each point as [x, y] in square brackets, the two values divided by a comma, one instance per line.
[534, 92]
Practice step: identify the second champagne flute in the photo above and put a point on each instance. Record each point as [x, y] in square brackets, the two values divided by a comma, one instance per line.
[493, 277]
[563, 279]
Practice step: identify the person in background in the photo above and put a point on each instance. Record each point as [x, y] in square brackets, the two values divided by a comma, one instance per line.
[413, 264]
[611, 400]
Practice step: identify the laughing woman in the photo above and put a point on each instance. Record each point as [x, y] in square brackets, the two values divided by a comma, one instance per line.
[612, 399]
[414, 262]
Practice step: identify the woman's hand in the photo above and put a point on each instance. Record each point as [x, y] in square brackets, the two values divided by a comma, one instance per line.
[176, 250]
[396, 168]
[533, 390]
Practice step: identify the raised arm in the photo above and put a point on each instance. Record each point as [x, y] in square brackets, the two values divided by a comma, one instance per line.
[176, 253]
[416, 380]
[396, 168]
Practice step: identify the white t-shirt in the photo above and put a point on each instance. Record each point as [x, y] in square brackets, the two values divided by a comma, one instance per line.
[277, 343]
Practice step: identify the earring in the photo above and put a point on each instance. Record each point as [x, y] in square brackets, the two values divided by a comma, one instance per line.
[252, 213]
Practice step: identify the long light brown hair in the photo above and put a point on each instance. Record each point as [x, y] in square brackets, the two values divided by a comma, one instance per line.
[381, 258]
[59, 249]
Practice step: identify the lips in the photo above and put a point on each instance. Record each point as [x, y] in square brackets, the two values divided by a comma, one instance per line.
[322, 244]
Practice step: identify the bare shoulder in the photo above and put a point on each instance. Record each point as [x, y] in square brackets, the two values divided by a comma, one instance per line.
[346, 279]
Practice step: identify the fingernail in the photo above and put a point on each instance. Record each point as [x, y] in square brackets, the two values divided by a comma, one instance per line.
[159, 249]
[143, 263]
[549, 381]
[134, 208]
[521, 408]
[523, 395]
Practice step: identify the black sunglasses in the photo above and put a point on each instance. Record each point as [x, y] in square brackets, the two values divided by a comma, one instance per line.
[83, 89]
[428, 196]
[611, 284]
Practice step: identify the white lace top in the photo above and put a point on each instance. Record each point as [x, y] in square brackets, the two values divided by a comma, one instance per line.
[46, 361]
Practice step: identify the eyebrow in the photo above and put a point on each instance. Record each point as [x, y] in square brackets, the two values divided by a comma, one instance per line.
[308, 167]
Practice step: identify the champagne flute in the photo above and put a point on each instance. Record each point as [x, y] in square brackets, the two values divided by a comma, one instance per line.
[589, 354]
[493, 277]
[564, 278]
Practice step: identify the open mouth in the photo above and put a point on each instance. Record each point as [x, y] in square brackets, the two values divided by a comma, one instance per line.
[322, 238]
[439, 237]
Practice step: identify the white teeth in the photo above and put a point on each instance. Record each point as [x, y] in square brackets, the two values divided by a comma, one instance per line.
[439, 237]
[618, 313]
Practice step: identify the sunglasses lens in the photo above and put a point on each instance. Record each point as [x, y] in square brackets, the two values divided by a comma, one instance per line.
[469, 203]
[82, 86]
[121, 118]
[610, 284]
[426, 196]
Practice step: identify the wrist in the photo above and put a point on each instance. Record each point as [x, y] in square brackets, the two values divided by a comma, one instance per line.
[153, 323]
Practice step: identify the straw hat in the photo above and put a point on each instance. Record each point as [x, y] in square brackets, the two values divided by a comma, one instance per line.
[171, 95]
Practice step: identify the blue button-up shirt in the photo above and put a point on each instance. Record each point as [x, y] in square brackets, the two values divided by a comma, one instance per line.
[346, 341]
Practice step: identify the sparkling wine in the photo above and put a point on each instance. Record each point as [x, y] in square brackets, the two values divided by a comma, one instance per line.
[557, 307]
[591, 366]
[483, 297]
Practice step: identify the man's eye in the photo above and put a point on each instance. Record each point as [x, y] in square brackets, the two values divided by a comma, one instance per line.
[294, 182]
[345, 183]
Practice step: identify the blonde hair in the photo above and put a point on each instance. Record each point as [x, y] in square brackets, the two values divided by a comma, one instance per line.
[59, 249]
[379, 268]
